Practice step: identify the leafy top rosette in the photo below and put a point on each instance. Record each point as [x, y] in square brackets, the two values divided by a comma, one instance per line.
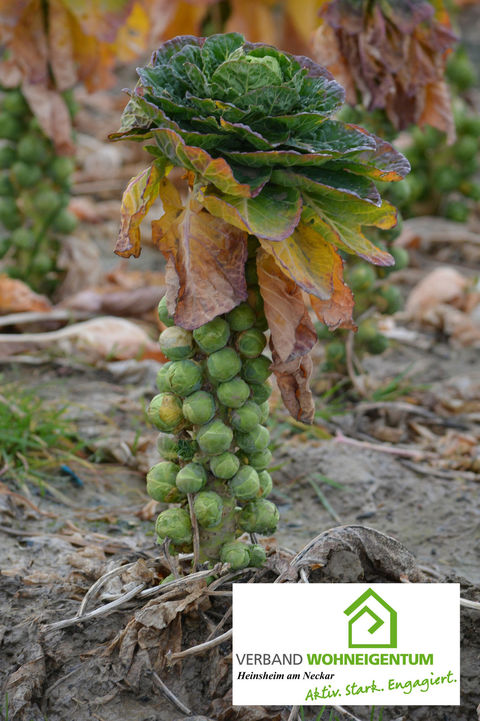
[253, 129]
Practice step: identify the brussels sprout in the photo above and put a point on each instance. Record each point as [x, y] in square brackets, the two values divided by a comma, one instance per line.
[6, 187]
[446, 179]
[32, 149]
[176, 343]
[259, 516]
[260, 460]
[225, 465]
[250, 343]
[266, 483]
[9, 127]
[251, 275]
[264, 412]
[234, 393]
[237, 554]
[261, 392]
[215, 437]
[245, 484]
[246, 417]
[7, 156]
[167, 446]
[388, 299]
[174, 523]
[466, 147]
[199, 407]
[361, 278]
[241, 317]
[23, 238]
[42, 263]
[212, 336]
[165, 411]
[172, 448]
[256, 370]
[9, 215]
[208, 507]
[61, 168]
[456, 210]
[255, 440]
[26, 176]
[65, 222]
[335, 352]
[257, 555]
[46, 201]
[401, 257]
[184, 377]
[163, 315]
[367, 330]
[191, 478]
[162, 377]
[14, 103]
[161, 482]
[223, 365]
[377, 345]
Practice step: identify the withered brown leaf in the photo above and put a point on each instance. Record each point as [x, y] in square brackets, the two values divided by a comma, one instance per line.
[206, 257]
[293, 333]
[293, 381]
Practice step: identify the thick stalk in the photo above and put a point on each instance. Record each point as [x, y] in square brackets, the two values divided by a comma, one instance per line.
[213, 401]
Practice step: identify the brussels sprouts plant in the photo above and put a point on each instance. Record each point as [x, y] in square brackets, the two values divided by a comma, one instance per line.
[278, 192]
[34, 194]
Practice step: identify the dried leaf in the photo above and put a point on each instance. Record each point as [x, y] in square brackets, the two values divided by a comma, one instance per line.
[437, 109]
[336, 311]
[17, 297]
[52, 114]
[440, 286]
[205, 264]
[94, 340]
[326, 51]
[293, 381]
[292, 331]
[60, 45]
[393, 54]
[139, 195]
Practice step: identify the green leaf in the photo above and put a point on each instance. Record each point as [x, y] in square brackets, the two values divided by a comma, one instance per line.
[209, 170]
[234, 78]
[273, 214]
[217, 48]
[340, 220]
[316, 180]
[382, 162]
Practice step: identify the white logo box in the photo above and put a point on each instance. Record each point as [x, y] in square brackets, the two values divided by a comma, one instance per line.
[398, 644]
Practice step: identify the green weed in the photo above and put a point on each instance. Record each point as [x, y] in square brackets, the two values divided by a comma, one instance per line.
[35, 436]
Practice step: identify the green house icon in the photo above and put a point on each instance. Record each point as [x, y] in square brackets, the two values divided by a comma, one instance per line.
[379, 611]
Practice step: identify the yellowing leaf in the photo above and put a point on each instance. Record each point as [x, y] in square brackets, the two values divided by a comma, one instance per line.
[307, 259]
[340, 220]
[206, 258]
[139, 195]
[272, 214]
[292, 332]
